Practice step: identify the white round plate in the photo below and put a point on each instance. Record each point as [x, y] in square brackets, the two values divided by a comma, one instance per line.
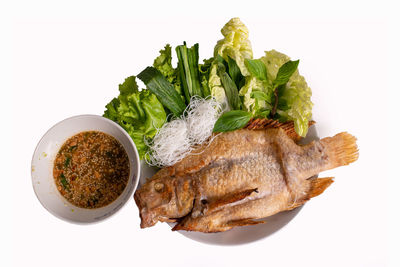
[243, 234]
[43, 161]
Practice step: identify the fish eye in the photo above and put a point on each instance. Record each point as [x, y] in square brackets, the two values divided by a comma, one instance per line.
[158, 187]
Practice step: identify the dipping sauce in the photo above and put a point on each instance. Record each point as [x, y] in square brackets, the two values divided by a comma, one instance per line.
[91, 169]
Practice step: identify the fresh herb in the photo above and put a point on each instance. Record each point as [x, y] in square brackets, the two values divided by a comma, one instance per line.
[285, 72]
[188, 66]
[261, 96]
[72, 148]
[256, 68]
[67, 161]
[64, 182]
[263, 114]
[163, 89]
[231, 90]
[232, 120]
[282, 77]
[234, 72]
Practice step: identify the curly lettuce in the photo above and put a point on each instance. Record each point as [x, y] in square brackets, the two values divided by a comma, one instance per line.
[140, 113]
[164, 65]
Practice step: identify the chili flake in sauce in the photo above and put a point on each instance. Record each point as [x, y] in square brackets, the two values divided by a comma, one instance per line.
[91, 169]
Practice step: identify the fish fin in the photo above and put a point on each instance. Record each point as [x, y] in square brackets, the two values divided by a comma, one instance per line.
[193, 224]
[341, 149]
[189, 224]
[229, 198]
[288, 127]
[170, 220]
[317, 187]
[243, 222]
[193, 227]
[180, 226]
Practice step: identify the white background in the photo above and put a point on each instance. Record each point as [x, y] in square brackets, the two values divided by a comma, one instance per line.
[61, 59]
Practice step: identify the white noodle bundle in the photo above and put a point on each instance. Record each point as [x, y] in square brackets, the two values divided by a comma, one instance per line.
[201, 115]
[170, 144]
[177, 138]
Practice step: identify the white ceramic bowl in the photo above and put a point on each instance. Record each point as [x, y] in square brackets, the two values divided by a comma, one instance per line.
[42, 168]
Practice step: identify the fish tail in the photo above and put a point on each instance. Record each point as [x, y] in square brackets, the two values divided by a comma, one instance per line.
[342, 149]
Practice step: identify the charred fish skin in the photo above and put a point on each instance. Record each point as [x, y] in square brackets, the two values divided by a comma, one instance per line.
[242, 176]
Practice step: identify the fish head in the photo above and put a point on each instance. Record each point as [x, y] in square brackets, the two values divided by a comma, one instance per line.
[164, 199]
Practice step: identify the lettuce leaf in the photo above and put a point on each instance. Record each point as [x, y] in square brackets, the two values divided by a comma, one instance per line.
[138, 112]
[249, 92]
[216, 89]
[164, 65]
[234, 48]
[235, 44]
[263, 94]
[295, 97]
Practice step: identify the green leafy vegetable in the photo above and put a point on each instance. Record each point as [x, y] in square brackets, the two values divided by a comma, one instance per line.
[294, 97]
[261, 96]
[164, 65]
[140, 113]
[257, 68]
[285, 72]
[129, 86]
[235, 44]
[163, 89]
[204, 71]
[234, 73]
[257, 95]
[216, 88]
[163, 62]
[231, 90]
[232, 120]
[111, 111]
[188, 66]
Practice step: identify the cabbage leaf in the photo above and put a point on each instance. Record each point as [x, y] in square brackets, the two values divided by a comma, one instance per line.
[295, 97]
[234, 47]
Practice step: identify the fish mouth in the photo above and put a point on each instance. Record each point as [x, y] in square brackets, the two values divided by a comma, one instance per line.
[147, 219]
[138, 200]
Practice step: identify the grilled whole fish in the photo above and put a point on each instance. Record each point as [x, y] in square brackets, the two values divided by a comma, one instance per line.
[241, 176]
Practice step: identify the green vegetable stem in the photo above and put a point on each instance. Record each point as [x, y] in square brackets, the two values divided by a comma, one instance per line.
[188, 66]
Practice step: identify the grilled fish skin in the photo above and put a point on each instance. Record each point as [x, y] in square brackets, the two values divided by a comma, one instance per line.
[241, 176]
